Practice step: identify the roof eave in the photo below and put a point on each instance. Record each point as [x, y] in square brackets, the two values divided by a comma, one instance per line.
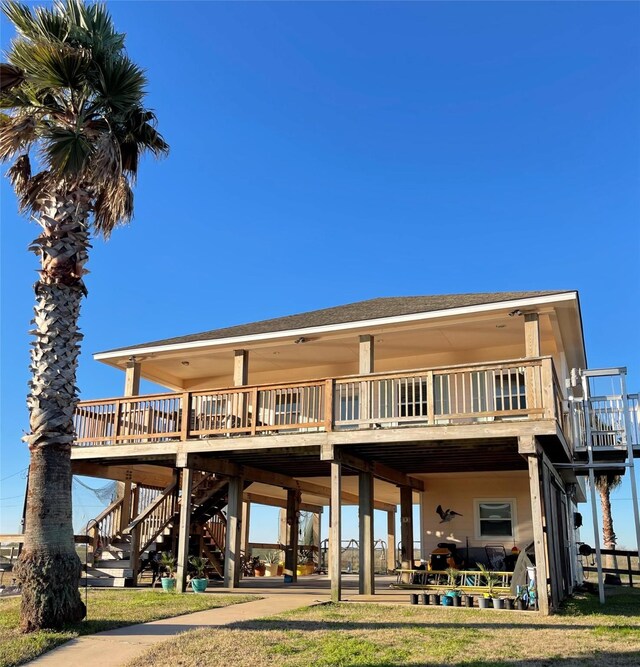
[111, 357]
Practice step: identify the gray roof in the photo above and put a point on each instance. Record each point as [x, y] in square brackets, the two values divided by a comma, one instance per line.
[353, 312]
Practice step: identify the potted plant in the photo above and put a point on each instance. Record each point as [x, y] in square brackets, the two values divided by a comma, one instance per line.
[168, 565]
[454, 593]
[491, 579]
[271, 564]
[260, 568]
[200, 582]
[522, 598]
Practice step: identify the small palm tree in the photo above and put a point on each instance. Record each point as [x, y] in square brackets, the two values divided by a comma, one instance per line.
[605, 485]
[73, 126]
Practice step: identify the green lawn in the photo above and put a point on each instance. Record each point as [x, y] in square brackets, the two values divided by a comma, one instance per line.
[340, 635]
[107, 609]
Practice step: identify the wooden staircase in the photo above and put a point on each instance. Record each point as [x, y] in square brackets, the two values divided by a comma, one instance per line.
[119, 543]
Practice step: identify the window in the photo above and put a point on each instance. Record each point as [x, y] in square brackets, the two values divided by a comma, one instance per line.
[495, 518]
[510, 392]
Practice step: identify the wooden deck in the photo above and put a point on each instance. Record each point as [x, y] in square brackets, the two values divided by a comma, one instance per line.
[500, 400]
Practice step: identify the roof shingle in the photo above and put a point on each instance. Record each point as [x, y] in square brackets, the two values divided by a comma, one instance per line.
[353, 312]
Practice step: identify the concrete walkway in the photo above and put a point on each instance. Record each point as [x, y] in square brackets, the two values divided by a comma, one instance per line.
[117, 647]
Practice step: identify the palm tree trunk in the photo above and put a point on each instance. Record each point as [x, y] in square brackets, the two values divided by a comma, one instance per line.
[608, 534]
[49, 568]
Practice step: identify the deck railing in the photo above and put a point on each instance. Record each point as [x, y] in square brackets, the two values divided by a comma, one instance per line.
[470, 394]
[607, 422]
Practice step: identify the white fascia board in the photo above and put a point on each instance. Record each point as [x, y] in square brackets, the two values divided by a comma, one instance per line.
[332, 328]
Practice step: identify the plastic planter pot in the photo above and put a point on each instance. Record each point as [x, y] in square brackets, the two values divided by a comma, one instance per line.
[168, 584]
[498, 603]
[508, 603]
[483, 603]
[468, 600]
[447, 601]
[199, 585]
[456, 600]
[414, 598]
[521, 605]
[434, 599]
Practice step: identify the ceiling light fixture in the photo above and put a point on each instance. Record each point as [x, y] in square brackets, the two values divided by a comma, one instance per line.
[184, 363]
[515, 313]
[299, 341]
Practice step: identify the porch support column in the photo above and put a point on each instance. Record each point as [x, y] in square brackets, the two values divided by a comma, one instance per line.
[537, 518]
[424, 526]
[131, 388]
[532, 335]
[406, 529]
[240, 367]
[335, 532]
[132, 378]
[366, 583]
[234, 530]
[291, 545]
[391, 541]
[317, 536]
[125, 512]
[185, 524]
[246, 520]
[366, 365]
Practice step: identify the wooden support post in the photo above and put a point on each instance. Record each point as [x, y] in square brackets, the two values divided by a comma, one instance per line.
[366, 366]
[424, 526]
[406, 528]
[291, 544]
[234, 526]
[335, 534]
[531, 335]
[391, 541]
[132, 378]
[366, 355]
[131, 388]
[246, 520]
[184, 531]
[240, 368]
[125, 511]
[317, 536]
[537, 518]
[366, 581]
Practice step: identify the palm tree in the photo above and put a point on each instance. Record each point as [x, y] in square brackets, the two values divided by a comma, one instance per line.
[605, 485]
[73, 126]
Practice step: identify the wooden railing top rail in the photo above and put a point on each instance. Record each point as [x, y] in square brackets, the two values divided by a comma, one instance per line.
[476, 366]
[105, 512]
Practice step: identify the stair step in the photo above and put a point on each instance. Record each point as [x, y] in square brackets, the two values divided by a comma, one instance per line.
[114, 554]
[105, 582]
[108, 564]
[110, 572]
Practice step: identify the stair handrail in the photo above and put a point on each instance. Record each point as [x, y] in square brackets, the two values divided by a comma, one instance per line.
[150, 508]
[94, 526]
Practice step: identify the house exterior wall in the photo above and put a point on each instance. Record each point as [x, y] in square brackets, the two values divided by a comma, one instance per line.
[459, 491]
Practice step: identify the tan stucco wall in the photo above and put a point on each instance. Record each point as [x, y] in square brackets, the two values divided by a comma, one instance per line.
[459, 491]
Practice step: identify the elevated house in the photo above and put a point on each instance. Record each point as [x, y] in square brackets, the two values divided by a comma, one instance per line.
[477, 403]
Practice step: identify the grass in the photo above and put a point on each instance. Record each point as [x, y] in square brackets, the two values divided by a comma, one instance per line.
[107, 610]
[340, 635]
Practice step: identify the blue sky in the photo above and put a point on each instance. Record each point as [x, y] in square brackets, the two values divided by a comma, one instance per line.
[324, 153]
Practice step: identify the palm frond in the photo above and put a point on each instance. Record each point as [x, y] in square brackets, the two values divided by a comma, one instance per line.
[10, 77]
[113, 207]
[120, 84]
[19, 174]
[50, 65]
[16, 134]
[35, 191]
[66, 152]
